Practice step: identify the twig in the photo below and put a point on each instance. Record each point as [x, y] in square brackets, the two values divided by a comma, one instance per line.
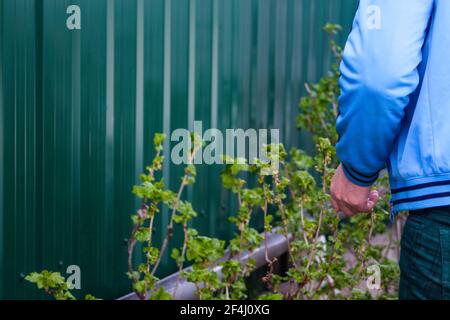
[319, 224]
[183, 253]
[169, 232]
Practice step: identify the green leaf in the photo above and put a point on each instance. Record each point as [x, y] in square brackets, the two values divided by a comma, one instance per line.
[160, 294]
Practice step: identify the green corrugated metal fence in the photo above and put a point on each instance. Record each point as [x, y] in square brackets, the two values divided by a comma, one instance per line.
[78, 110]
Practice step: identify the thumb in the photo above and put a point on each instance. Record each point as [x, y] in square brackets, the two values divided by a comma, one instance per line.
[372, 200]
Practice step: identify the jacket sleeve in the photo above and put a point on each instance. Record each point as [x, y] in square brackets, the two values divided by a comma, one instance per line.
[379, 72]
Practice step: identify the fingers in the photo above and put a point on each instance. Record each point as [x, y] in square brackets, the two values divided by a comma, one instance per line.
[350, 209]
[374, 195]
[373, 199]
[334, 204]
[347, 211]
[349, 198]
[341, 207]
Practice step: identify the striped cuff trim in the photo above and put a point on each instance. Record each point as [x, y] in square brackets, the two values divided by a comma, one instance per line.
[358, 178]
[422, 198]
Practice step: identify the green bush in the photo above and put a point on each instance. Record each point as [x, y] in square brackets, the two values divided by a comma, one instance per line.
[293, 199]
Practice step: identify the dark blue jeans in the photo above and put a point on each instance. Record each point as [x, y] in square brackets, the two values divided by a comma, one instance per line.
[425, 255]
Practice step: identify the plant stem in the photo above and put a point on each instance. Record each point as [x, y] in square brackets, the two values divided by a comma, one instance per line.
[285, 223]
[319, 224]
[302, 220]
[169, 232]
[183, 253]
[150, 230]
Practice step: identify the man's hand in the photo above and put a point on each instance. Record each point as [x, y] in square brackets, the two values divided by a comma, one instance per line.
[350, 198]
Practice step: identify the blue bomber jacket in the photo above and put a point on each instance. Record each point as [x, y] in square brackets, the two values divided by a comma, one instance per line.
[394, 107]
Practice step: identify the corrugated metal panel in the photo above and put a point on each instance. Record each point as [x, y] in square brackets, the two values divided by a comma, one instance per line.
[78, 109]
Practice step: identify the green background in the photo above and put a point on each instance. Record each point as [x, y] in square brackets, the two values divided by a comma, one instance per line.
[78, 110]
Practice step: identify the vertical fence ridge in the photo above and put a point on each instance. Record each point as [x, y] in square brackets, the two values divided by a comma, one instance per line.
[110, 123]
[167, 101]
[139, 87]
[2, 261]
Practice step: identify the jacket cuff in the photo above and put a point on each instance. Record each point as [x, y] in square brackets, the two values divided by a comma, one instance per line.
[362, 180]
